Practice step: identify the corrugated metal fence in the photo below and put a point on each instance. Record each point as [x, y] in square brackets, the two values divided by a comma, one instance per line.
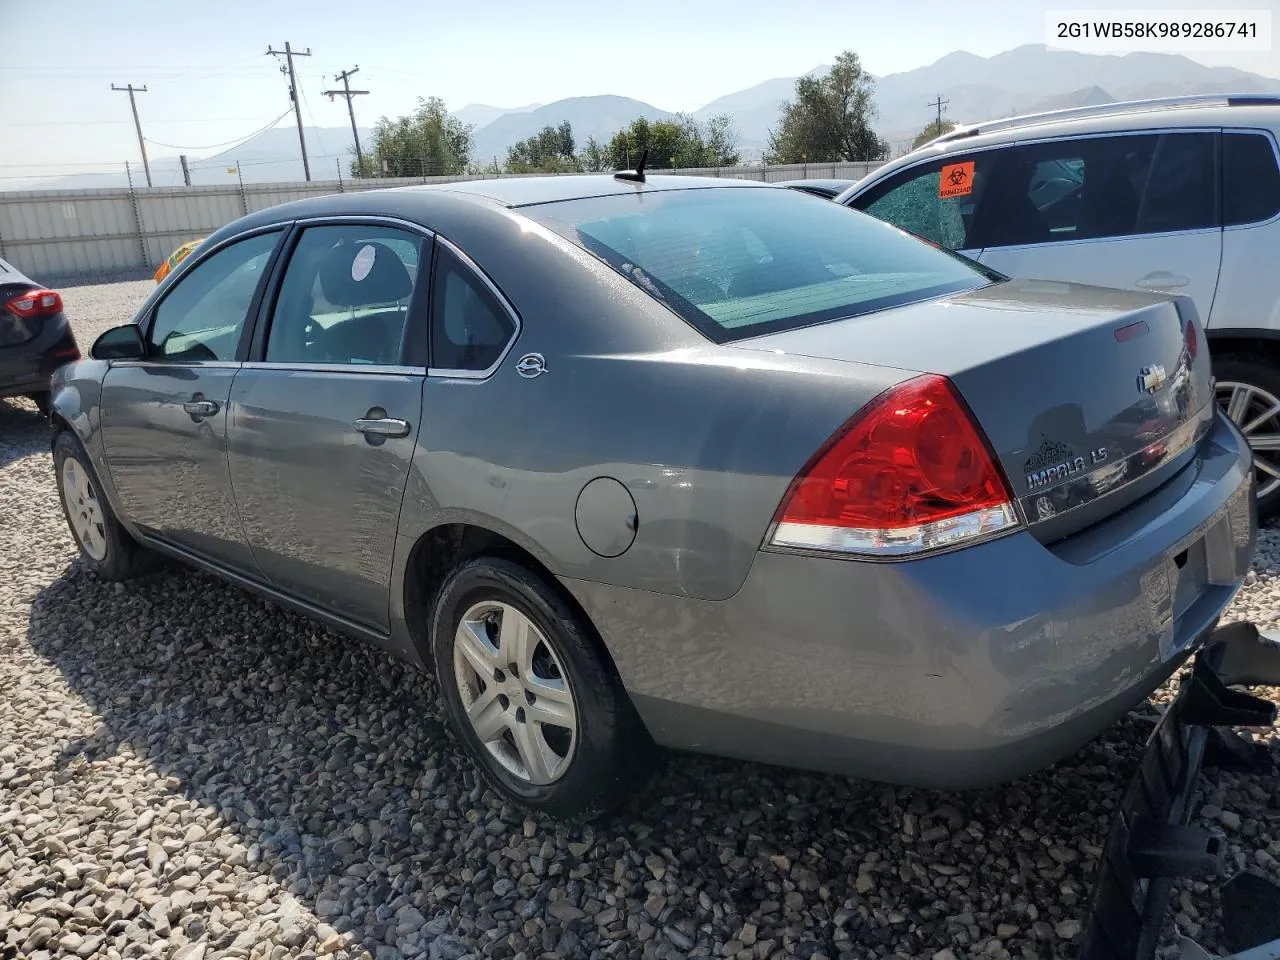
[60, 233]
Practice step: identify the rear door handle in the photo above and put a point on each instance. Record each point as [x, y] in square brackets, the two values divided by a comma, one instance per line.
[382, 427]
[201, 408]
[1161, 280]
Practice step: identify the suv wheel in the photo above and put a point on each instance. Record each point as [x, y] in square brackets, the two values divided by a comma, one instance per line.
[1250, 393]
[529, 693]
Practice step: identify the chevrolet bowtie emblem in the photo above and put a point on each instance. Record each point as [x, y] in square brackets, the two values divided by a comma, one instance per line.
[1152, 378]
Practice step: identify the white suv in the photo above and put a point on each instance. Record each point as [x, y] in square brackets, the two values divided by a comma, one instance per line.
[1180, 195]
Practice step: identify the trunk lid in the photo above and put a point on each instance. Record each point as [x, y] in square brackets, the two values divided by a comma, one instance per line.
[1089, 397]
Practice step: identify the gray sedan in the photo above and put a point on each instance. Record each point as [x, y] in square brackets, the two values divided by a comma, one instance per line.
[704, 464]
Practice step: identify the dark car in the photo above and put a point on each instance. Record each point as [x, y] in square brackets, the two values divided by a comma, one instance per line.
[35, 337]
[827, 189]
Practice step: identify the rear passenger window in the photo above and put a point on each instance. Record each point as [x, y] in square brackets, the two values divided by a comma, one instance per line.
[1250, 179]
[1101, 187]
[345, 297]
[936, 201]
[469, 327]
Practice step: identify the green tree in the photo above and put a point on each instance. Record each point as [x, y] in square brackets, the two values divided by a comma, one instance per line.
[428, 142]
[675, 144]
[935, 128]
[550, 150]
[829, 119]
[595, 157]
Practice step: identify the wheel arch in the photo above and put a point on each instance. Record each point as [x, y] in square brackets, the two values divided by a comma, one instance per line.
[1247, 344]
[442, 549]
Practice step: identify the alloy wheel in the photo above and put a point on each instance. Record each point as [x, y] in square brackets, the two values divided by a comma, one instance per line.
[83, 508]
[515, 692]
[1257, 413]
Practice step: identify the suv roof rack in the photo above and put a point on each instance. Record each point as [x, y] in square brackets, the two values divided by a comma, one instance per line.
[1108, 109]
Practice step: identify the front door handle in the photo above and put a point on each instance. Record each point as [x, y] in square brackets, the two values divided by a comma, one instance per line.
[201, 408]
[382, 427]
[1161, 280]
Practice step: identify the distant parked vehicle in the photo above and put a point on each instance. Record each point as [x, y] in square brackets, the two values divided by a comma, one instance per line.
[35, 337]
[1180, 195]
[175, 258]
[827, 189]
[690, 461]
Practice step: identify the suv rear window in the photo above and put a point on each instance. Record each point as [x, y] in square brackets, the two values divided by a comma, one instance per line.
[741, 262]
[1250, 179]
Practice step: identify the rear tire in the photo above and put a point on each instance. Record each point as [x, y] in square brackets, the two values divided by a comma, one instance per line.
[43, 401]
[1249, 390]
[557, 734]
[106, 548]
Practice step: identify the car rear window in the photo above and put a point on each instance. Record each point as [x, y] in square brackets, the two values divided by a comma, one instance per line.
[739, 262]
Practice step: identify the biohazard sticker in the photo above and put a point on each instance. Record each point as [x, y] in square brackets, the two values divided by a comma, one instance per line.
[363, 262]
[956, 180]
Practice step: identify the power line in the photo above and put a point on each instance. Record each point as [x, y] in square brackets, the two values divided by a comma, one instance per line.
[346, 91]
[225, 143]
[151, 122]
[133, 102]
[289, 53]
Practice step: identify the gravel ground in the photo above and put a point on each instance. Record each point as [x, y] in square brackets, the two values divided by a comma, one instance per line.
[187, 771]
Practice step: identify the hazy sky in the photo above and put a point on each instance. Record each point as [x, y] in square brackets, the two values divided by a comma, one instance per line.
[210, 82]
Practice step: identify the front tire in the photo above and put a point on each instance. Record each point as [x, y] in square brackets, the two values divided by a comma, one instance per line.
[530, 694]
[105, 547]
[1249, 390]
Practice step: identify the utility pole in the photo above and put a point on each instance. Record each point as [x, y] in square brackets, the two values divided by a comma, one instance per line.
[289, 53]
[186, 171]
[346, 91]
[137, 124]
[939, 103]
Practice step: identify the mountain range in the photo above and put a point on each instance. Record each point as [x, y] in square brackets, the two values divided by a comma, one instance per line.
[1026, 79]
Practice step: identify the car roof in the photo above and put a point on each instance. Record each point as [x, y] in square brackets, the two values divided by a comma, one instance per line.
[527, 191]
[442, 206]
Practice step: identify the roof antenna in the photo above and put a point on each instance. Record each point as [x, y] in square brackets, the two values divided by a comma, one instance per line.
[637, 174]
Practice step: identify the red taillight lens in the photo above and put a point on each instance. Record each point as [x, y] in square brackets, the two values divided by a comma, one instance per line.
[909, 473]
[35, 303]
[1192, 339]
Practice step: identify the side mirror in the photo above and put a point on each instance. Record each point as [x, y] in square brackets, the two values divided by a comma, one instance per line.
[120, 343]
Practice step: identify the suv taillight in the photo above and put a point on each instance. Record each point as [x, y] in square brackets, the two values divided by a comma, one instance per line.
[909, 473]
[35, 303]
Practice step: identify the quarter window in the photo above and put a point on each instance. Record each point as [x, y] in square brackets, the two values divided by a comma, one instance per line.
[1250, 179]
[346, 296]
[203, 316]
[469, 328]
[1101, 187]
[937, 201]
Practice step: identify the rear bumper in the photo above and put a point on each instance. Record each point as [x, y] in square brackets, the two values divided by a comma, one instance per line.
[26, 368]
[958, 670]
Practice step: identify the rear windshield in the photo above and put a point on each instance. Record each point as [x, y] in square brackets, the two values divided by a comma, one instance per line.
[742, 262]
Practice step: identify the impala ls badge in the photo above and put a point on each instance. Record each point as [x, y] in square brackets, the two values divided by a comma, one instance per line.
[1055, 461]
[531, 365]
[1152, 378]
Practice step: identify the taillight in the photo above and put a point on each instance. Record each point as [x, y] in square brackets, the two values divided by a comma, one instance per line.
[1192, 340]
[908, 473]
[35, 303]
